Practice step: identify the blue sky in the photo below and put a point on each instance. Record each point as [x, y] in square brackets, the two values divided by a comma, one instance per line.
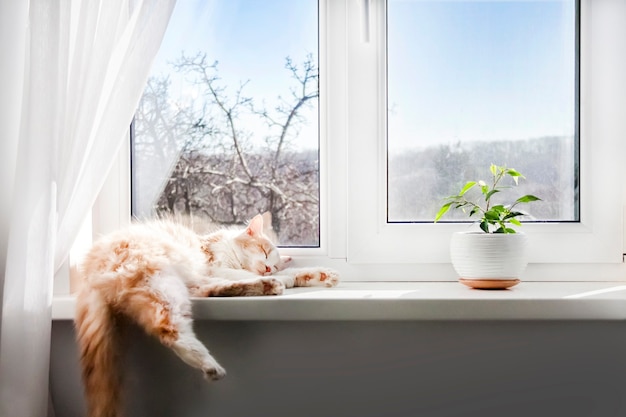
[458, 70]
[479, 70]
[250, 39]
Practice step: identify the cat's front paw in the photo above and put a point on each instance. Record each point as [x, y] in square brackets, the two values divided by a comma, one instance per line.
[283, 264]
[318, 277]
[272, 286]
[329, 277]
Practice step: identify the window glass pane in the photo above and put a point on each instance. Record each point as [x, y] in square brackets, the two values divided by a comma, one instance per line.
[228, 123]
[472, 83]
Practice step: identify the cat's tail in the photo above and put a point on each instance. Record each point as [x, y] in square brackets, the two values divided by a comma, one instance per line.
[98, 344]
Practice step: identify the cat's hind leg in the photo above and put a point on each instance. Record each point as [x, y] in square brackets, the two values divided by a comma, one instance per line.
[163, 309]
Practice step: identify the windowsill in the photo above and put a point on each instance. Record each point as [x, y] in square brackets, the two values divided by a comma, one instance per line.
[414, 301]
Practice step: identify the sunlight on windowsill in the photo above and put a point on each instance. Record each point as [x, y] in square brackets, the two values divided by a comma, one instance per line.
[413, 301]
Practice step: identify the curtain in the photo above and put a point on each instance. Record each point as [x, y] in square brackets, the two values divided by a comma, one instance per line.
[71, 75]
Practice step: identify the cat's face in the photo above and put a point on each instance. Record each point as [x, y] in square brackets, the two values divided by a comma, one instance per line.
[257, 253]
[260, 256]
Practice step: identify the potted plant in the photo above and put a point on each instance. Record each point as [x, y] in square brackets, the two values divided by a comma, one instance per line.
[495, 256]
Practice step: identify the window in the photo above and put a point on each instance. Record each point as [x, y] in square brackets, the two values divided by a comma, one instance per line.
[420, 250]
[573, 133]
[228, 124]
[472, 83]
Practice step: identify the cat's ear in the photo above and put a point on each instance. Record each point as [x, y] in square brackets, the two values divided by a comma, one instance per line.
[268, 229]
[267, 220]
[255, 227]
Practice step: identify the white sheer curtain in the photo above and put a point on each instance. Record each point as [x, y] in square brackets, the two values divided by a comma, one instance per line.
[71, 75]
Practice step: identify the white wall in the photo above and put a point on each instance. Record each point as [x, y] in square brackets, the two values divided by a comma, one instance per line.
[363, 369]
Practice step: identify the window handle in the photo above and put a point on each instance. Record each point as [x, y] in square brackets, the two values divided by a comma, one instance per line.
[365, 20]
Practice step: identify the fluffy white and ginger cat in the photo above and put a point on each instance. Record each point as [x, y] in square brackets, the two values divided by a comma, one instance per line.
[149, 272]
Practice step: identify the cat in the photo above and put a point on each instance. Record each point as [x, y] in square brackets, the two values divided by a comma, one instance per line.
[205, 226]
[148, 273]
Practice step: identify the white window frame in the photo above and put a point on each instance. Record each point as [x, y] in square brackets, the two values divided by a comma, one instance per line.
[355, 237]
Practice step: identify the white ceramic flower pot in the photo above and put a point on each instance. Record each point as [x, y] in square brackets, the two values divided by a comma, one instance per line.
[489, 260]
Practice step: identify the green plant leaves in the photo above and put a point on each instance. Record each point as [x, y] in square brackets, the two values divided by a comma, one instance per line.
[527, 199]
[502, 229]
[467, 187]
[490, 193]
[493, 217]
[494, 169]
[513, 174]
[443, 211]
[513, 214]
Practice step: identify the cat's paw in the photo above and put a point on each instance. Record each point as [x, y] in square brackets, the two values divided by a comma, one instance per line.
[329, 277]
[284, 263]
[213, 372]
[317, 277]
[272, 286]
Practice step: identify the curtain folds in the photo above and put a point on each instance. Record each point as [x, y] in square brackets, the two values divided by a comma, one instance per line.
[71, 73]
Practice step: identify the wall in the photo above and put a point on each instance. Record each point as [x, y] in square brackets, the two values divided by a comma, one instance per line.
[367, 369]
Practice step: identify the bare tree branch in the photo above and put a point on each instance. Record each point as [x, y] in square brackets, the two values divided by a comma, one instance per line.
[216, 174]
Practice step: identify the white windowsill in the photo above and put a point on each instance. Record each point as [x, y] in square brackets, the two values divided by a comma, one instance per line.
[414, 301]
